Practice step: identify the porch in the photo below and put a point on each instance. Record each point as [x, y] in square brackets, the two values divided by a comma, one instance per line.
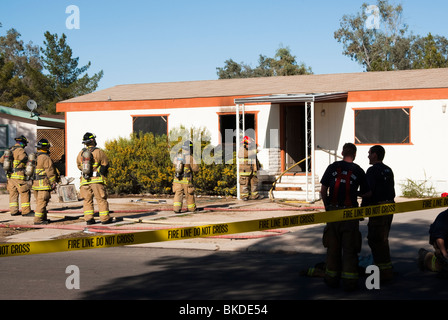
[298, 177]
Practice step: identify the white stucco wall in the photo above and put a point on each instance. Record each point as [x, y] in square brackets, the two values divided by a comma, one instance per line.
[109, 125]
[424, 158]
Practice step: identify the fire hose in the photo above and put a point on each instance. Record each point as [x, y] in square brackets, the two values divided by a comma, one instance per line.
[200, 209]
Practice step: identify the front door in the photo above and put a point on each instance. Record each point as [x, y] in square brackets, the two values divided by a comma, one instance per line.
[294, 136]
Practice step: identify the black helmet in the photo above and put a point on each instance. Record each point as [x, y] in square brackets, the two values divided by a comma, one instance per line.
[188, 145]
[88, 138]
[43, 144]
[22, 139]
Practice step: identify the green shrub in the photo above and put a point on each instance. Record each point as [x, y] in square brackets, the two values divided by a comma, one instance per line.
[140, 164]
[418, 189]
[216, 179]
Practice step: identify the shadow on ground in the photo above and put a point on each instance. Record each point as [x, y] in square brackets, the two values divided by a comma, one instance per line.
[273, 276]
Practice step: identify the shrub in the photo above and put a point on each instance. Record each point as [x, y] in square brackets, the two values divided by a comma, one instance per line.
[418, 189]
[216, 179]
[140, 164]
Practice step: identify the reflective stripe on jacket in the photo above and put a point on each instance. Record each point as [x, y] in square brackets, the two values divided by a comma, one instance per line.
[45, 173]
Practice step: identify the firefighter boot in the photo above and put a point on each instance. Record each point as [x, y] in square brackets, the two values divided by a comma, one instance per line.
[422, 253]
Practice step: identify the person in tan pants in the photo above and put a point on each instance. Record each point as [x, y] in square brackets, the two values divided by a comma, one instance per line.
[93, 183]
[44, 181]
[248, 170]
[183, 181]
[17, 185]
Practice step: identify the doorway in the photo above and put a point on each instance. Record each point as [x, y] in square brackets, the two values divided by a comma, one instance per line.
[293, 136]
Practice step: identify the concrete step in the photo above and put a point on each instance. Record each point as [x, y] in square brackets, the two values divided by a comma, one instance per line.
[294, 195]
[297, 179]
[293, 187]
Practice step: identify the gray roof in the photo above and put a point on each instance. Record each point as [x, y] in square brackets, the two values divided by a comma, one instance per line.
[302, 84]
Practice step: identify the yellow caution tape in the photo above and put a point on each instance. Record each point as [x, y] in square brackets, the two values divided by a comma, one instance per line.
[104, 241]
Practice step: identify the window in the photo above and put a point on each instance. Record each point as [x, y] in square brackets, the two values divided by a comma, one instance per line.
[227, 127]
[4, 138]
[383, 125]
[228, 122]
[155, 124]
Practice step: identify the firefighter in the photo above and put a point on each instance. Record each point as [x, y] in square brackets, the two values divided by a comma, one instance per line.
[339, 190]
[94, 165]
[14, 161]
[185, 166]
[436, 261]
[248, 170]
[380, 178]
[45, 179]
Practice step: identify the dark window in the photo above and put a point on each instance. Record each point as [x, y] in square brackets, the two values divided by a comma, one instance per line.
[228, 122]
[158, 125]
[3, 138]
[381, 126]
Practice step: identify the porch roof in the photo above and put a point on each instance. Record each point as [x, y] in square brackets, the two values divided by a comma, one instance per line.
[288, 98]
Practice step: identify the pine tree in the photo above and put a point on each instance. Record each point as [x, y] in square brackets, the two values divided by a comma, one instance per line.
[66, 79]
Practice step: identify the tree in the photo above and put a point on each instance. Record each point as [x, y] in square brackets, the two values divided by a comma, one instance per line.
[67, 80]
[47, 79]
[14, 50]
[430, 52]
[16, 59]
[283, 64]
[368, 45]
[378, 39]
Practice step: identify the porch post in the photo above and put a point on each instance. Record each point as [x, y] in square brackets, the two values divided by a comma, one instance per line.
[306, 150]
[313, 152]
[237, 116]
[309, 150]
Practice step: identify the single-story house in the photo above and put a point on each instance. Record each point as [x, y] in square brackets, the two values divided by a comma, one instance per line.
[291, 118]
[15, 122]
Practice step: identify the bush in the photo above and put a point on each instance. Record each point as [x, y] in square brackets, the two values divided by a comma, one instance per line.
[418, 189]
[142, 164]
[216, 179]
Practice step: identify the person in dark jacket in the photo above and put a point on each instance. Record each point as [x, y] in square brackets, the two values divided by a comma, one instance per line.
[436, 261]
[380, 178]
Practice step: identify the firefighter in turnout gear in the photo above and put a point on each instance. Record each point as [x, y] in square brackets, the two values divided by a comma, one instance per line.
[94, 165]
[342, 238]
[14, 161]
[247, 157]
[185, 166]
[436, 261]
[45, 178]
[380, 178]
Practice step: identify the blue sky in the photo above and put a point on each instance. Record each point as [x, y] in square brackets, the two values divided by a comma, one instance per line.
[142, 41]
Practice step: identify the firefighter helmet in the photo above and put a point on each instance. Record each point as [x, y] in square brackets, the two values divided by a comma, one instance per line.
[43, 144]
[22, 139]
[89, 138]
[246, 139]
[188, 145]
